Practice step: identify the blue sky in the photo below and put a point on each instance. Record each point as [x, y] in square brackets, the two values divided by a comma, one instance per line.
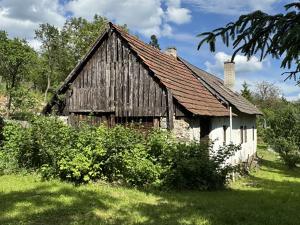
[175, 22]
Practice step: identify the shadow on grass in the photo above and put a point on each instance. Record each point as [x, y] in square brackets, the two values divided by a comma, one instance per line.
[50, 204]
[277, 166]
[271, 203]
[264, 202]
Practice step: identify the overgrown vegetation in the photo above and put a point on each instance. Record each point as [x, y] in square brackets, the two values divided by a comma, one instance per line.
[269, 196]
[118, 155]
[280, 124]
[283, 133]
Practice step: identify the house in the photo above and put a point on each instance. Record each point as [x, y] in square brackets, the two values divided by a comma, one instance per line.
[123, 80]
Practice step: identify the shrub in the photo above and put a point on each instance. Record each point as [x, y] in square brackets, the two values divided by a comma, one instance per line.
[50, 140]
[196, 166]
[288, 151]
[119, 154]
[84, 159]
[161, 146]
[15, 140]
[284, 133]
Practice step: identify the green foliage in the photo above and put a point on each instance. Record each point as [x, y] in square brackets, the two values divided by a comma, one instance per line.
[263, 34]
[15, 140]
[25, 103]
[245, 92]
[119, 155]
[288, 150]
[82, 160]
[193, 166]
[16, 62]
[79, 35]
[154, 42]
[283, 133]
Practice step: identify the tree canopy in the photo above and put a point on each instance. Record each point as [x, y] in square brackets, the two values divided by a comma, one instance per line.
[154, 42]
[263, 34]
[17, 59]
[245, 92]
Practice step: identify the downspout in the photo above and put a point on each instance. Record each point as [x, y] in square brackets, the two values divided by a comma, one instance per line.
[230, 119]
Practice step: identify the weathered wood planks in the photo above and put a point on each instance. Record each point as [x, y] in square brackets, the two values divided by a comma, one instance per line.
[116, 80]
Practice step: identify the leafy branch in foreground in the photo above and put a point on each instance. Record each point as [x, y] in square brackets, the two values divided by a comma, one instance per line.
[263, 34]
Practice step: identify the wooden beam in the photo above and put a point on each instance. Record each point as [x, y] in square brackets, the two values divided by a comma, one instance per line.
[156, 123]
[170, 108]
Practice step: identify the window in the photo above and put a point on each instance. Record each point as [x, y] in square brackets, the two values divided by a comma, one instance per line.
[205, 127]
[253, 133]
[242, 134]
[224, 134]
[245, 136]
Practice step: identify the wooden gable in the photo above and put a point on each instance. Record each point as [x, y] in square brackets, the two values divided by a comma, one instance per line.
[114, 80]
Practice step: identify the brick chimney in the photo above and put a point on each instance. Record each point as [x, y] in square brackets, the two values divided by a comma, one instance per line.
[172, 51]
[229, 75]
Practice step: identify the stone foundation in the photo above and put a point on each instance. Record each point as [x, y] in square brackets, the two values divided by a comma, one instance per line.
[186, 129]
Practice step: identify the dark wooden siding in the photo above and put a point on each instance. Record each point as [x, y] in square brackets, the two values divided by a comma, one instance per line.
[115, 81]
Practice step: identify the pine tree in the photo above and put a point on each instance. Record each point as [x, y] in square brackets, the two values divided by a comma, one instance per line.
[245, 92]
[154, 41]
[263, 34]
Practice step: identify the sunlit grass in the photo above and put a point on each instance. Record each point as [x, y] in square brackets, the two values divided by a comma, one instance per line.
[270, 195]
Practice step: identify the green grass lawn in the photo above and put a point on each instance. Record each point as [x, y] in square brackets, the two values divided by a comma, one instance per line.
[270, 195]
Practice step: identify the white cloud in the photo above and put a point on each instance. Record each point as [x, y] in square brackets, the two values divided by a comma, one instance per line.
[242, 64]
[146, 17]
[293, 97]
[176, 14]
[35, 44]
[232, 7]
[21, 18]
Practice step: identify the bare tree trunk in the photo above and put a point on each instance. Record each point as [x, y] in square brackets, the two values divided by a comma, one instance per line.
[10, 89]
[49, 75]
[47, 89]
[8, 104]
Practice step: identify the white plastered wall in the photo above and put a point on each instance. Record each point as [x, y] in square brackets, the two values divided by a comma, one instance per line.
[188, 129]
[248, 147]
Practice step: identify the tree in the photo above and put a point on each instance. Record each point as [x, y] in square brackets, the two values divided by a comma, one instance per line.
[245, 92]
[63, 49]
[154, 41]
[16, 61]
[263, 34]
[266, 94]
[80, 34]
[50, 37]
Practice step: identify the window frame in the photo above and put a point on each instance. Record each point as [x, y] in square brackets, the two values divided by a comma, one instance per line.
[245, 135]
[242, 134]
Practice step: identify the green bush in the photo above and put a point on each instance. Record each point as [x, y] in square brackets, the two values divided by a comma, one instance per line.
[196, 166]
[283, 133]
[50, 141]
[15, 140]
[118, 154]
[83, 160]
[161, 146]
[288, 150]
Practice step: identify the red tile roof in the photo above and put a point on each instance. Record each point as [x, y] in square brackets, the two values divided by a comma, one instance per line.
[177, 77]
[242, 104]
